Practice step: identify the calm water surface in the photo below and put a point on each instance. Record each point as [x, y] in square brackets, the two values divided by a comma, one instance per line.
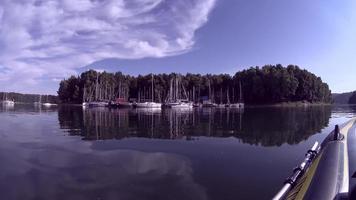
[216, 154]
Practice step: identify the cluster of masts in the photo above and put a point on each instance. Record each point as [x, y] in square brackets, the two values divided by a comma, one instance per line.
[6, 101]
[46, 103]
[10, 102]
[177, 98]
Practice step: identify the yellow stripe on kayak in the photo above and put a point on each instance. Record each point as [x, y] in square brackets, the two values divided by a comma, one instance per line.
[345, 181]
[303, 184]
[307, 177]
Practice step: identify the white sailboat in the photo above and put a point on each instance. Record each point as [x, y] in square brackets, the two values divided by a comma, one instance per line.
[98, 102]
[47, 103]
[209, 103]
[240, 104]
[221, 104]
[39, 102]
[149, 104]
[85, 103]
[174, 99]
[7, 102]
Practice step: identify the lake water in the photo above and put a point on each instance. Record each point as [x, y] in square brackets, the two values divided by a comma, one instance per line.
[100, 154]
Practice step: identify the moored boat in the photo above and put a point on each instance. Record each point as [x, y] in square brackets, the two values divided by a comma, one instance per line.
[221, 105]
[179, 104]
[197, 105]
[49, 104]
[177, 96]
[237, 105]
[39, 102]
[209, 104]
[122, 103]
[148, 105]
[98, 104]
[125, 104]
[183, 105]
[8, 102]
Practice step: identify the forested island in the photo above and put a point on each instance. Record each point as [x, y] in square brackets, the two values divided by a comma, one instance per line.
[270, 84]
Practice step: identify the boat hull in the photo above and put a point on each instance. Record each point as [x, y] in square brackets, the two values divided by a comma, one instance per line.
[8, 103]
[148, 105]
[179, 105]
[98, 104]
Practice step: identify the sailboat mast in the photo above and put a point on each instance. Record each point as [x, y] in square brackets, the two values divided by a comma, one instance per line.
[152, 90]
[97, 87]
[193, 93]
[240, 101]
[209, 90]
[177, 89]
[171, 91]
[84, 94]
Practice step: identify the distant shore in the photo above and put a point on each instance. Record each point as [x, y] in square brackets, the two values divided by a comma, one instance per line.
[290, 104]
[282, 104]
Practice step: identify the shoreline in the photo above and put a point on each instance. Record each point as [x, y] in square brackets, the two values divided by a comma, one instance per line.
[288, 104]
[277, 105]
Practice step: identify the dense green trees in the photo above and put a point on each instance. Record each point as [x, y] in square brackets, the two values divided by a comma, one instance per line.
[273, 84]
[352, 99]
[266, 85]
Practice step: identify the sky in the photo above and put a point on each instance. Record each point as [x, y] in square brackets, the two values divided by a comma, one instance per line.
[44, 41]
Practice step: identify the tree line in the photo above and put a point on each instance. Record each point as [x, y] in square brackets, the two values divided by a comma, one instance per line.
[352, 99]
[28, 98]
[257, 85]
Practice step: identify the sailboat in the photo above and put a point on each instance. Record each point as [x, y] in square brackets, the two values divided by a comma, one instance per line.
[221, 105]
[228, 103]
[209, 103]
[122, 100]
[7, 102]
[85, 103]
[174, 99]
[48, 104]
[240, 104]
[39, 102]
[97, 92]
[149, 104]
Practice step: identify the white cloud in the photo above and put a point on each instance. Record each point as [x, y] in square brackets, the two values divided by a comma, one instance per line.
[54, 37]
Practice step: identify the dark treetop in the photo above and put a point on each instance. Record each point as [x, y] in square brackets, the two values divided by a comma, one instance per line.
[352, 99]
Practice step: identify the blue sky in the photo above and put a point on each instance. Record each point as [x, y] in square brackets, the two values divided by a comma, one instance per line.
[43, 42]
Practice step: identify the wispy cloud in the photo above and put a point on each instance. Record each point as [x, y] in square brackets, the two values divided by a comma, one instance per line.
[52, 38]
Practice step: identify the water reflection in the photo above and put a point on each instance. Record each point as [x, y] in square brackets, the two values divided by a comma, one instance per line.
[258, 126]
[26, 108]
[274, 127]
[52, 171]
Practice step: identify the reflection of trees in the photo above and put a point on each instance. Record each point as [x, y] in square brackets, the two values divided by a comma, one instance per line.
[264, 126]
[275, 126]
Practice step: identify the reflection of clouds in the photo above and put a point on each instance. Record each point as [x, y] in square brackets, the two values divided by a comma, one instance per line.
[50, 172]
[38, 162]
